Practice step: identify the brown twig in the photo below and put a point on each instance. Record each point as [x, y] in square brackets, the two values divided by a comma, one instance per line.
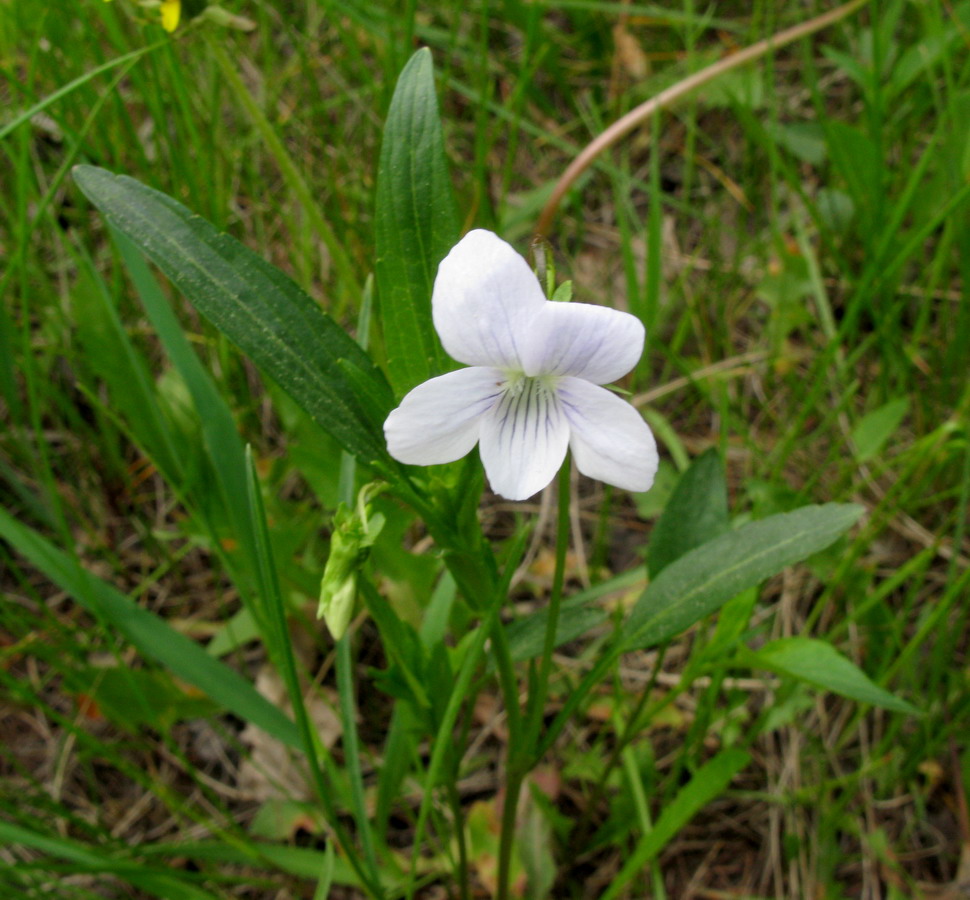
[675, 92]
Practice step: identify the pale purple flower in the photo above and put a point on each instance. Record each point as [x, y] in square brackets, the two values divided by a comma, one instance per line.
[532, 388]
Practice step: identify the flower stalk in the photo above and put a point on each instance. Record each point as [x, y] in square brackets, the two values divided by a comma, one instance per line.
[521, 757]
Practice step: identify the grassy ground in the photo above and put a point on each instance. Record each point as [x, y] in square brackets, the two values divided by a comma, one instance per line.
[794, 235]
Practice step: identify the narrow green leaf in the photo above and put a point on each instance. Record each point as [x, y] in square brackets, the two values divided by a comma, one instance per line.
[703, 580]
[697, 512]
[303, 862]
[223, 444]
[527, 635]
[29, 113]
[875, 428]
[436, 615]
[416, 225]
[96, 860]
[400, 749]
[149, 634]
[274, 613]
[125, 372]
[706, 578]
[818, 663]
[732, 620]
[326, 874]
[708, 783]
[261, 310]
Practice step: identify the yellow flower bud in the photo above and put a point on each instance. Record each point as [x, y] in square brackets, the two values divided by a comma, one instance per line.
[171, 13]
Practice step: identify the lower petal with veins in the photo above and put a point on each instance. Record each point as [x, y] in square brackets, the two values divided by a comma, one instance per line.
[524, 439]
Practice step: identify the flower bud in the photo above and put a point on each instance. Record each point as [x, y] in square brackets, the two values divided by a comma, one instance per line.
[354, 532]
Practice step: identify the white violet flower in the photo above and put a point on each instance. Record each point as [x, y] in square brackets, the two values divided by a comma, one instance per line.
[532, 388]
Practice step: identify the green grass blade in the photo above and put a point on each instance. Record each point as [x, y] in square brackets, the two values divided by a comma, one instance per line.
[125, 372]
[303, 862]
[325, 882]
[223, 444]
[151, 635]
[281, 650]
[290, 170]
[160, 884]
[708, 783]
[72, 86]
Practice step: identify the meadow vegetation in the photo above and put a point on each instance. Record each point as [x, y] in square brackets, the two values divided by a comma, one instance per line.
[795, 235]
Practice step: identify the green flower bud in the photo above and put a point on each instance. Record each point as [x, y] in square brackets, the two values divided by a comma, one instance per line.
[353, 534]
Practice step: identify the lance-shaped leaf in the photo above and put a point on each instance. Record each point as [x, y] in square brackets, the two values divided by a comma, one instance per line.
[255, 305]
[416, 225]
[697, 512]
[704, 579]
[820, 664]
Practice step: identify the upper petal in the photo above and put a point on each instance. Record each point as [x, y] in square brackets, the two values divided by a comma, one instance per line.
[592, 342]
[523, 440]
[608, 437]
[484, 297]
[439, 421]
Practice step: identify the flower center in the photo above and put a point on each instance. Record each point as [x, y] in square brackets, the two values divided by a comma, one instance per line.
[518, 383]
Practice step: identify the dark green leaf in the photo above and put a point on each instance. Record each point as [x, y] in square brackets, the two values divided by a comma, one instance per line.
[697, 512]
[416, 225]
[703, 580]
[261, 310]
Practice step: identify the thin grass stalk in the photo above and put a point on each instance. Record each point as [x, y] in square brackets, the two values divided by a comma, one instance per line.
[537, 703]
[291, 174]
[623, 126]
[351, 745]
[71, 86]
[454, 801]
[633, 726]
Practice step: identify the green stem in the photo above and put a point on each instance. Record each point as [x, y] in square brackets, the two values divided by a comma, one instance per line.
[348, 712]
[629, 732]
[521, 756]
[537, 704]
[513, 787]
[285, 660]
[454, 800]
[443, 739]
[507, 681]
